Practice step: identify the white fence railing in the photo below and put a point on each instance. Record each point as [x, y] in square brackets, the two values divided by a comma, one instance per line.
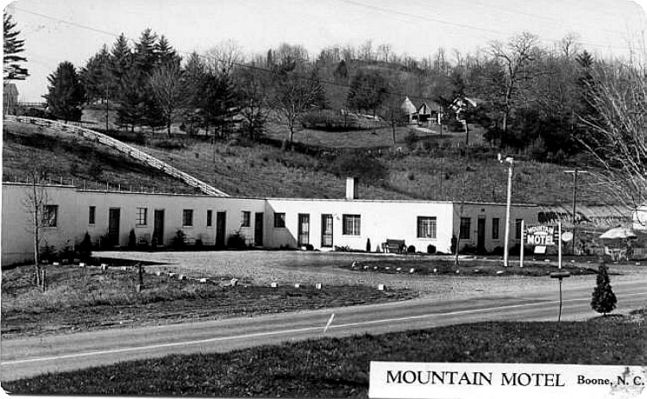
[121, 147]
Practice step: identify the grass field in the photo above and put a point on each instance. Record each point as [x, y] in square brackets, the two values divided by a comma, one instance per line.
[88, 298]
[334, 367]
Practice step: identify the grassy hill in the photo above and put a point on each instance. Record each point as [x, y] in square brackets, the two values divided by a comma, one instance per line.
[430, 167]
[77, 161]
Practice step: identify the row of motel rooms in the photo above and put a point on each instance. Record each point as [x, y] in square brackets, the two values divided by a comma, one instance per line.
[70, 212]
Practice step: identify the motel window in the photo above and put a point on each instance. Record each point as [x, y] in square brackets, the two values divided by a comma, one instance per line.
[495, 228]
[351, 224]
[142, 216]
[187, 217]
[466, 226]
[209, 218]
[279, 220]
[50, 215]
[517, 227]
[245, 220]
[426, 227]
[92, 215]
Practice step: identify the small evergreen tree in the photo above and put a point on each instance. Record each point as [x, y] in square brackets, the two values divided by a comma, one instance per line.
[604, 300]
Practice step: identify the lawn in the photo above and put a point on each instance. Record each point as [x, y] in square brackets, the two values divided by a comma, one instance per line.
[89, 298]
[333, 367]
[473, 267]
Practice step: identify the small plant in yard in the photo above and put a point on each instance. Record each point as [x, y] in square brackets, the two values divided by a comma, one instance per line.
[85, 247]
[179, 241]
[236, 241]
[604, 300]
[132, 239]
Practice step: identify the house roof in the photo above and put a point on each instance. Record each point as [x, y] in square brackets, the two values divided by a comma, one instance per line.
[407, 106]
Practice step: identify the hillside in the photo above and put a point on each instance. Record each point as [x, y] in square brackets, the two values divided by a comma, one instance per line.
[432, 169]
[77, 161]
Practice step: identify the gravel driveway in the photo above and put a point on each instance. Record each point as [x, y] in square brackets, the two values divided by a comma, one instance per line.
[308, 268]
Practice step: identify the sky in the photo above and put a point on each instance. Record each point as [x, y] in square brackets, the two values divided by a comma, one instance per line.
[74, 30]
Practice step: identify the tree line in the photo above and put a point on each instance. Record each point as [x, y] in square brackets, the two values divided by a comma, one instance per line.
[527, 97]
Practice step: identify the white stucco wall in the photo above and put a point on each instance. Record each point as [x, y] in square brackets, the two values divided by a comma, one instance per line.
[639, 218]
[73, 214]
[380, 220]
[490, 211]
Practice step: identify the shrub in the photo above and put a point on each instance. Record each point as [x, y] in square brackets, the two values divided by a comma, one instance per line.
[85, 247]
[199, 244]
[368, 245]
[47, 252]
[309, 247]
[179, 241]
[358, 164]
[132, 239]
[236, 241]
[431, 249]
[410, 140]
[169, 144]
[411, 249]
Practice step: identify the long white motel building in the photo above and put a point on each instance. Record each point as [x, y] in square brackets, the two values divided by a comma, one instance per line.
[324, 224]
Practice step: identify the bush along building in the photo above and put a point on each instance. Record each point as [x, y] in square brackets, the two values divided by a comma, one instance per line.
[182, 221]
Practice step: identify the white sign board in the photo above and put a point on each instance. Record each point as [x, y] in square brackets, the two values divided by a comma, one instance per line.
[541, 235]
[497, 380]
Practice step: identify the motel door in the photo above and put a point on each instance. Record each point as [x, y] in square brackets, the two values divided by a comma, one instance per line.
[158, 227]
[258, 229]
[304, 229]
[113, 226]
[221, 218]
[326, 230]
[480, 236]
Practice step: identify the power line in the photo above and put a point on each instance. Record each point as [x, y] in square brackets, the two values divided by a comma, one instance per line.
[460, 25]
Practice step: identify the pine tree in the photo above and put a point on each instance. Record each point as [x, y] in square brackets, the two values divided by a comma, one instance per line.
[121, 59]
[132, 101]
[96, 76]
[12, 70]
[65, 93]
[165, 53]
[604, 300]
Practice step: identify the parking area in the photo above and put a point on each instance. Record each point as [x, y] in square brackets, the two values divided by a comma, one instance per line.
[309, 268]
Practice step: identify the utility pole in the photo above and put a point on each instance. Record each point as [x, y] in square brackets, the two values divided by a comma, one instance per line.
[510, 161]
[574, 172]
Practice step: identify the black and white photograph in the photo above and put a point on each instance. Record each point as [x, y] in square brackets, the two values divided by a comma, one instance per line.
[331, 199]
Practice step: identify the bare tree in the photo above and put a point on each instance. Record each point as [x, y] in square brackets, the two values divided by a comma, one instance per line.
[515, 57]
[569, 45]
[224, 57]
[617, 138]
[35, 204]
[166, 82]
[295, 95]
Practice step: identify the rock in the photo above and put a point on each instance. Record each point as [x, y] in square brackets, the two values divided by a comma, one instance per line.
[412, 270]
[233, 282]
[181, 277]
[387, 268]
[171, 275]
[398, 269]
[203, 280]
[381, 287]
[435, 270]
[158, 273]
[81, 264]
[318, 286]
[297, 285]
[55, 264]
[274, 285]
[500, 272]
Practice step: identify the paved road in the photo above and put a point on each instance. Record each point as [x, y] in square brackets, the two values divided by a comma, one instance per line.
[33, 356]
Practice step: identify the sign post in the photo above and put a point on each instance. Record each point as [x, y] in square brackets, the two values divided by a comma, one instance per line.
[559, 245]
[522, 243]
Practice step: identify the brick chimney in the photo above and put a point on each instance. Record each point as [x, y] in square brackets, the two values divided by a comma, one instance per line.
[351, 188]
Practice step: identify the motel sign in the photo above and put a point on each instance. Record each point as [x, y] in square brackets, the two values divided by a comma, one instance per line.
[541, 235]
